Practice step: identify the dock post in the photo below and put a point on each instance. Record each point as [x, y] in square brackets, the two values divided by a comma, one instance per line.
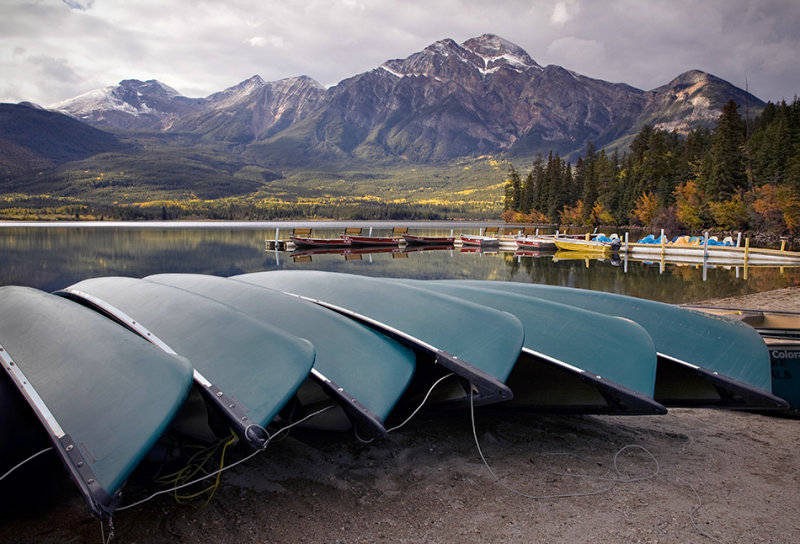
[739, 239]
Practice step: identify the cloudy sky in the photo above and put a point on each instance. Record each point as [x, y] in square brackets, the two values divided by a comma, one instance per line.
[51, 50]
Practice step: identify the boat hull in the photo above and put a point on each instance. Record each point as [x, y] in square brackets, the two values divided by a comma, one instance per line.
[479, 241]
[702, 361]
[363, 241]
[587, 246]
[102, 394]
[319, 242]
[430, 323]
[611, 370]
[246, 370]
[366, 371]
[429, 240]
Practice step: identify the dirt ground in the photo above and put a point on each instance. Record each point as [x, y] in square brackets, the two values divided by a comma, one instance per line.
[691, 476]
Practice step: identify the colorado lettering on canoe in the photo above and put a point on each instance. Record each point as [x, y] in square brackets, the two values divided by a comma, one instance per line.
[784, 354]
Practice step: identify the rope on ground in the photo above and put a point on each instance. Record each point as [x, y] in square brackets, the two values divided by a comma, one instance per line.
[696, 509]
[616, 479]
[224, 468]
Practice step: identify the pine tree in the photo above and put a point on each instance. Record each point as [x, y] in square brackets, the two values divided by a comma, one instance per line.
[727, 167]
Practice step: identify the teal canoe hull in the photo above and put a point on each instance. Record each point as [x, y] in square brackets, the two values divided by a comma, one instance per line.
[784, 356]
[703, 360]
[246, 369]
[477, 343]
[576, 360]
[103, 394]
[366, 370]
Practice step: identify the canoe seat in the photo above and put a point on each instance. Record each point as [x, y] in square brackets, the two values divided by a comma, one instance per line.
[528, 231]
[488, 231]
[400, 230]
[301, 232]
[352, 231]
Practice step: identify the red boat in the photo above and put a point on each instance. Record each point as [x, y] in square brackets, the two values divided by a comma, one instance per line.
[429, 240]
[479, 241]
[535, 242]
[373, 240]
[301, 241]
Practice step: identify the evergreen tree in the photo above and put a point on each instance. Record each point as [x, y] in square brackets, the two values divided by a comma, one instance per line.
[726, 170]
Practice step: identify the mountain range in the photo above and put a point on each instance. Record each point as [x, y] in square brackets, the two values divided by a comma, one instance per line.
[450, 101]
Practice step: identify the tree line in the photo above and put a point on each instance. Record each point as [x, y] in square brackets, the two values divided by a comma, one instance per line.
[739, 175]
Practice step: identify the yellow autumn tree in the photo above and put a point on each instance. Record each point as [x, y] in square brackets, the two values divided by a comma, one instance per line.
[645, 208]
[690, 205]
[571, 215]
[778, 207]
[600, 215]
[730, 214]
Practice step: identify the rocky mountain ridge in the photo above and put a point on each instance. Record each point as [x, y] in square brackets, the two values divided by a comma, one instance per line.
[483, 96]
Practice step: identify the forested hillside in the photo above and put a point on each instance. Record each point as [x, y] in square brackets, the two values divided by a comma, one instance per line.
[739, 175]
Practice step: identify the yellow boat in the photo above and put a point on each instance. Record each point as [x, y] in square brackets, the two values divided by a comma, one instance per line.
[591, 246]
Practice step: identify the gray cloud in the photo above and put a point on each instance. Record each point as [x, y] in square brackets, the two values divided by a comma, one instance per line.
[52, 50]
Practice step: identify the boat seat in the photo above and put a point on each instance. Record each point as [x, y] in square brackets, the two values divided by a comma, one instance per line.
[352, 231]
[400, 230]
[301, 232]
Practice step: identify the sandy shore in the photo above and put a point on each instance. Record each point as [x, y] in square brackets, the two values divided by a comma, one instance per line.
[693, 475]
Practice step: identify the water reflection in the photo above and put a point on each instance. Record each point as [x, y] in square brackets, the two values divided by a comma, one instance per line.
[51, 258]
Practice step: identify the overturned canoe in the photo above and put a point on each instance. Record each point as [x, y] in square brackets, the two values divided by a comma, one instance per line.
[102, 394]
[702, 360]
[573, 360]
[479, 344]
[365, 370]
[246, 369]
[781, 332]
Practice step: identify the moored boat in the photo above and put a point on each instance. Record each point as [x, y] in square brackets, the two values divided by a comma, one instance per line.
[314, 242]
[477, 240]
[535, 242]
[374, 240]
[429, 240]
[701, 250]
[599, 244]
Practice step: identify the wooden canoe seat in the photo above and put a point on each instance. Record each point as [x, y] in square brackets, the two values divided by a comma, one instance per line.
[529, 231]
[301, 232]
[400, 230]
[488, 231]
[352, 231]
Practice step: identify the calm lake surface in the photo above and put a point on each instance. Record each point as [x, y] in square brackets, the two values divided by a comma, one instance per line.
[51, 257]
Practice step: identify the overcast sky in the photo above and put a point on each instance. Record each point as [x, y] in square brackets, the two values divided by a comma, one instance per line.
[51, 50]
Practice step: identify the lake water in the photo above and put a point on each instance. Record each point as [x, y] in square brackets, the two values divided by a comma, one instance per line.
[51, 257]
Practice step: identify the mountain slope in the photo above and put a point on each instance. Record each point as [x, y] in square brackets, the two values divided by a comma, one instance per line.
[32, 138]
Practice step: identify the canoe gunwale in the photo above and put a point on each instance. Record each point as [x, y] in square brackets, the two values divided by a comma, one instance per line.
[101, 503]
[621, 399]
[489, 388]
[354, 409]
[230, 408]
[728, 389]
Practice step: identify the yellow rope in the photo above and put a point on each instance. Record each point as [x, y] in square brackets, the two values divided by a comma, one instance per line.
[195, 466]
